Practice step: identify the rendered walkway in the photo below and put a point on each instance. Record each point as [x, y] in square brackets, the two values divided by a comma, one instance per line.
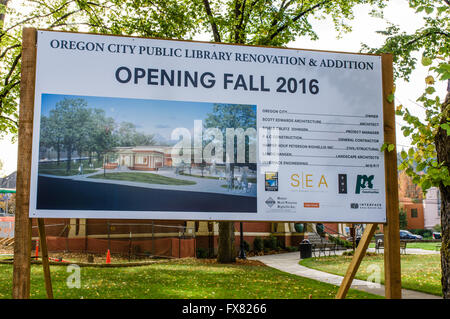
[289, 263]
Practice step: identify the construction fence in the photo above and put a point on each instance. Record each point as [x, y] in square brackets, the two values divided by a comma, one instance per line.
[131, 240]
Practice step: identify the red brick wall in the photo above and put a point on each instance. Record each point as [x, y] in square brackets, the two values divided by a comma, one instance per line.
[414, 222]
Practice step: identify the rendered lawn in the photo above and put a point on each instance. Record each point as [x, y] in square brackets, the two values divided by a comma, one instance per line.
[419, 272]
[52, 168]
[149, 178]
[180, 279]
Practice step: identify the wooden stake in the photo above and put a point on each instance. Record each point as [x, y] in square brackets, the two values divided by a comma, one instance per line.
[392, 228]
[45, 263]
[22, 245]
[356, 261]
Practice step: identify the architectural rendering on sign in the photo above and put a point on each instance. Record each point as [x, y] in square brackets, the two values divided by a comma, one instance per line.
[111, 154]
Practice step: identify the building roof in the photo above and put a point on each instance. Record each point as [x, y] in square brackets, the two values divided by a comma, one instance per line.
[9, 181]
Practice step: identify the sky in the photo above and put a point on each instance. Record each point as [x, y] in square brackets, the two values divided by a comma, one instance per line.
[364, 31]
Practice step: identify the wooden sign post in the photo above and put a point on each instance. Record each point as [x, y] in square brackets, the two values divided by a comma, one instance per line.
[22, 242]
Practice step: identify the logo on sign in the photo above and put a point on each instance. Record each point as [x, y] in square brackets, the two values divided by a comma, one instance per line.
[271, 181]
[311, 205]
[364, 184]
[342, 183]
[270, 202]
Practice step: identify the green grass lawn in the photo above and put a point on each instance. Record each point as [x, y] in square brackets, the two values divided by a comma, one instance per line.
[64, 172]
[425, 246]
[419, 272]
[149, 178]
[53, 168]
[178, 279]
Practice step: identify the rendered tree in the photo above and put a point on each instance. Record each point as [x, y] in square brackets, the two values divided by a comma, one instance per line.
[232, 116]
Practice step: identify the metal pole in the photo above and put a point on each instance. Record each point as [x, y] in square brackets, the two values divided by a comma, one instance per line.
[153, 238]
[242, 251]
[109, 236]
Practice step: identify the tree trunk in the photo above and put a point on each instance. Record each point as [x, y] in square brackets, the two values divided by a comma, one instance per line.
[58, 154]
[442, 142]
[226, 250]
[69, 157]
[2, 15]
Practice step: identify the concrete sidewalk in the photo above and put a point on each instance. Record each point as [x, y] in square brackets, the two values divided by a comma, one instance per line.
[289, 263]
[203, 185]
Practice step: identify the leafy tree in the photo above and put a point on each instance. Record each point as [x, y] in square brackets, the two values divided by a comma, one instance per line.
[8, 203]
[403, 219]
[59, 14]
[51, 134]
[427, 162]
[128, 136]
[71, 115]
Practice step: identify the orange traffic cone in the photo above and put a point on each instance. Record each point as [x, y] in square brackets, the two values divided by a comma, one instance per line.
[37, 249]
[108, 257]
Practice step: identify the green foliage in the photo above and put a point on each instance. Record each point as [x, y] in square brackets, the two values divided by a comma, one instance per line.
[202, 253]
[432, 41]
[340, 241]
[403, 218]
[246, 246]
[232, 21]
[425, 233]
[271, 243]
[258, 245]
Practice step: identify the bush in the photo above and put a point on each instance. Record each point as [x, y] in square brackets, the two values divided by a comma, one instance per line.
[202, 253]
[422, 232]
[246, 246]
[271, 243]
[292, 248]
[340, 242]
[258, 245]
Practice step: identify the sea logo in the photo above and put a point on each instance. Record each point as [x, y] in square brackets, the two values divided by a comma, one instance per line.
[270, 202]
[364, 182]
[271, 181]
[342, 183]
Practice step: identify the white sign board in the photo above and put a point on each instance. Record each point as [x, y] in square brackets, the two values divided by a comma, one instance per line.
[159, 129]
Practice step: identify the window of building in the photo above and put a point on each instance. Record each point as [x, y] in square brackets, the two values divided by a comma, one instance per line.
[414, 212]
